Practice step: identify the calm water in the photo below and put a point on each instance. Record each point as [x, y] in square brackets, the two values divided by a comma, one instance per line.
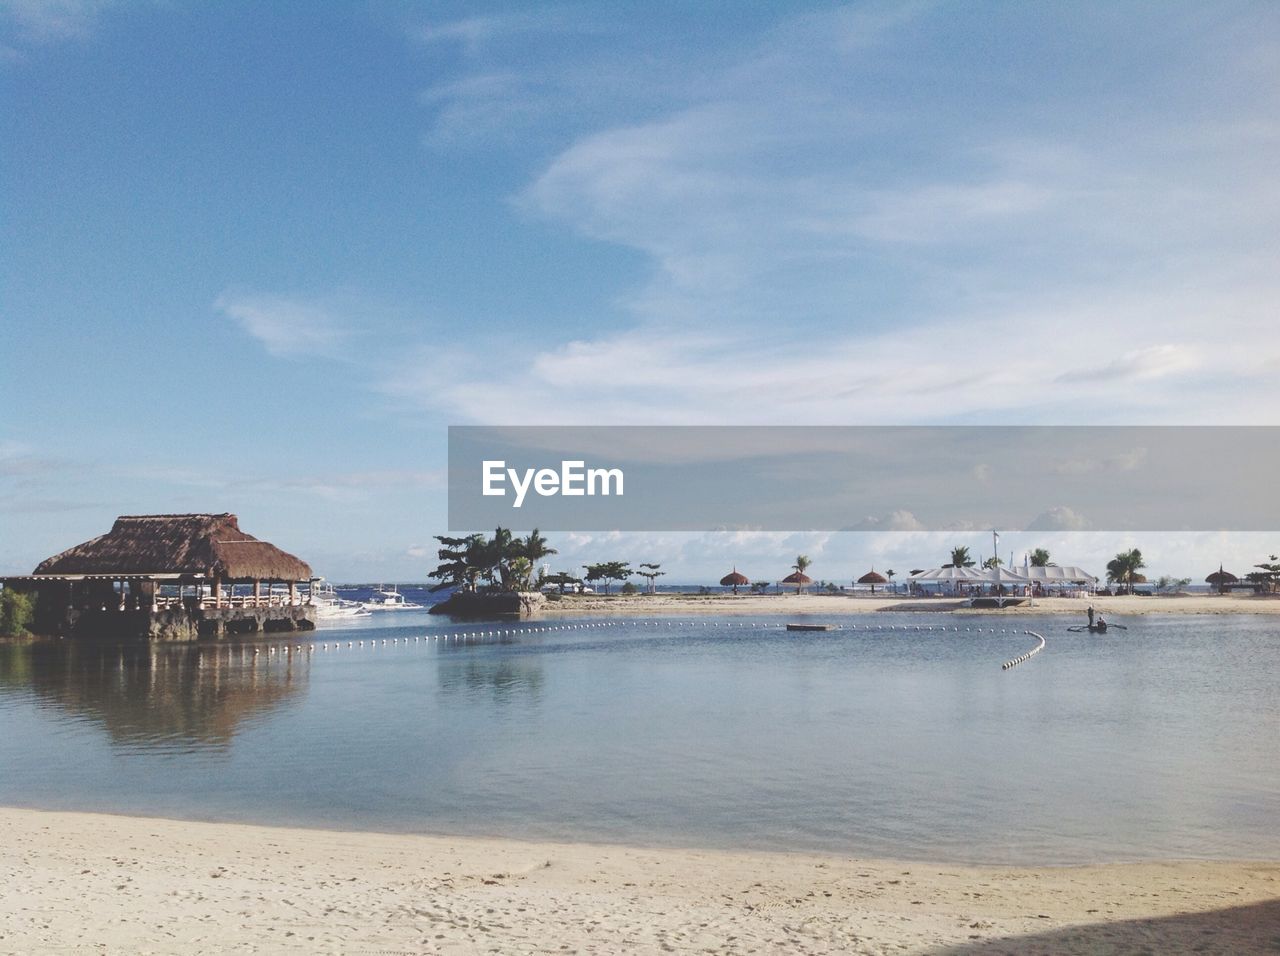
[1159, 741]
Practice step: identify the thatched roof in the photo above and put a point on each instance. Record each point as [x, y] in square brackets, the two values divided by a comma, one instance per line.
[796, 577]
[1222, 577]
[734, 578]
[183, 544]
[873, 577]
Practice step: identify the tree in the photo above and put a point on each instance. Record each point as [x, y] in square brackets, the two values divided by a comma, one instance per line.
[534, 547]
[16, 611]
[992, 562]
[1168, 584]
[759, 587]
[1124, 567]
[889, 574]
[562, 579]
[1271, 577]
[607, 571]
[459, 562]
[504, 562]
[1040, 558]
[960, 558]
[651, 572]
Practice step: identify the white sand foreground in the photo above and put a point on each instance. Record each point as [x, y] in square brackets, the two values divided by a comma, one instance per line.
[76, 882]
[1113, 606]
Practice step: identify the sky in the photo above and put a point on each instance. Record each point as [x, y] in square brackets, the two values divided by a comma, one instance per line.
[257, 257]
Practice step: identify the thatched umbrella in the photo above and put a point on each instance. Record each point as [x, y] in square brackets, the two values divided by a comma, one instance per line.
[735, 580]
[873, 577]
[799, 579]
[1221, 579]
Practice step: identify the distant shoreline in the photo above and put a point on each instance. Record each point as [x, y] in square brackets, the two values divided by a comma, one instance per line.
[91, 881]
[666, 605]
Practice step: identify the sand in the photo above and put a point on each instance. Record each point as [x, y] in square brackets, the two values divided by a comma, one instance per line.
[75, 882]
[1112, 607]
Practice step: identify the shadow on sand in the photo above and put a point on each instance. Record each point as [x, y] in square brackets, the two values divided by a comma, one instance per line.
[1237, 931]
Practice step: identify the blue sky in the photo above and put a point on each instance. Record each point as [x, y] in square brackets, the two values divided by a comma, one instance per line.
[257, 257]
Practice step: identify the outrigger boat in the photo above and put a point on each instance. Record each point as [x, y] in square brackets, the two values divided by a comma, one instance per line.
[1100, 628]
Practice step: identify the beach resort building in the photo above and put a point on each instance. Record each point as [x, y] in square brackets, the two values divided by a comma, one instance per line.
[170, 577]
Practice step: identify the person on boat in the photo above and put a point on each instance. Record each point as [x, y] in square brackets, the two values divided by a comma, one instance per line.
[1090, 615]
[1101, 625]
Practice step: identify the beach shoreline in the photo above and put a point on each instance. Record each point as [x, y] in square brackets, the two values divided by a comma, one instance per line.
[666, 605]
[78, 881]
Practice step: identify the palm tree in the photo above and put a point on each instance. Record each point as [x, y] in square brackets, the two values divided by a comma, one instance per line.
[889, 574]
[1039, 558]
[992, 562]
[1124, 567]
[960, 558]
[534, 547]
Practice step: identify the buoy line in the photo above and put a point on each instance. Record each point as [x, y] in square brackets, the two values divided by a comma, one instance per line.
[1007, 665]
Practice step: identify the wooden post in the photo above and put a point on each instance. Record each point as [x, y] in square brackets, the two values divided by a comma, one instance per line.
[217, 591]
[257, 593]
[293, 593]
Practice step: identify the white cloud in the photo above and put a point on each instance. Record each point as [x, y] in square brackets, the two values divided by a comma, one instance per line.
[1059, 518]
[284, 326]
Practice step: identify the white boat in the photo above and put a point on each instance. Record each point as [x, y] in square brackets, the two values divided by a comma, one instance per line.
[390, 600]
[329, 605]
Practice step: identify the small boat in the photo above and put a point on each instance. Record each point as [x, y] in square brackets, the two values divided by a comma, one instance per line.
[1100, 628]
[390, 600]
[328, 604]
[809, 627]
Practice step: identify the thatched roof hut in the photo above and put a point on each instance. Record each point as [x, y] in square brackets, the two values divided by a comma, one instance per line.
[799, 579]
[734, 579]
[212, 546]
[873, 577]
[1222, 577]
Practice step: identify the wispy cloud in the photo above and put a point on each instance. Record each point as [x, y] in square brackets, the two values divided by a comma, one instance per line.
[286, 327]
[32, 23]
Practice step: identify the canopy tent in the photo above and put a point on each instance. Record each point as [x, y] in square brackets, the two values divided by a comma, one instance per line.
[996, 575]
[1053, 574]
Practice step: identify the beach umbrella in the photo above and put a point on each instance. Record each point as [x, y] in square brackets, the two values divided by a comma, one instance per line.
[798, 579]
[873, 577]
[1221, 579]
[735, 580]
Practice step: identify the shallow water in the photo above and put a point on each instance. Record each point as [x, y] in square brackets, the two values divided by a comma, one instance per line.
[1158, 741]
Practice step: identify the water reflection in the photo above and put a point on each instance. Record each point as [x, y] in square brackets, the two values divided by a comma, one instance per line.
[157, 695]
[508, 677]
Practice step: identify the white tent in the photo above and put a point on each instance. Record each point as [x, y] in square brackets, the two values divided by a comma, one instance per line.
[973, 575]
[1060, 575]
[996, 575]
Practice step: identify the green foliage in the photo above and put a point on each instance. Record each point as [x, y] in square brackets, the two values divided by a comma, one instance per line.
[993, 562]
[650, 570]
[1167, 584]
[960, 558]
[16, 612]
[607, 571]
[1040, 558]
[1124, 568]
[630, 588]
[759, 587]
[503, 562]
[802, 563]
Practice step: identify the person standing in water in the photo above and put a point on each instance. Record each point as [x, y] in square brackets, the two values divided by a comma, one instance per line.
[1091, 615]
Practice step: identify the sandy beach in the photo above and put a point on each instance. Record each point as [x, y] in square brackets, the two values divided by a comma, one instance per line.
[76, 882]
[1115, 606]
